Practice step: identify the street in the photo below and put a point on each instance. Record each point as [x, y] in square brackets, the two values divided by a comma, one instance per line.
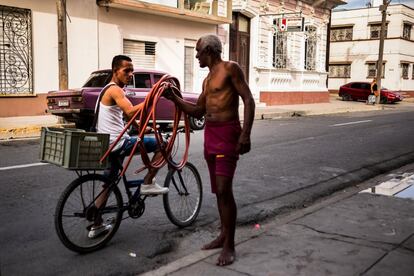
[292, 162]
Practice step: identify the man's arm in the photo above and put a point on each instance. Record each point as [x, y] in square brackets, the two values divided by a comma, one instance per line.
[197, 110]
[118, 95]
[240, 84]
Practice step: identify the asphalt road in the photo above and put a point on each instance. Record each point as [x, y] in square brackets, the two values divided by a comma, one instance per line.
[299, 157]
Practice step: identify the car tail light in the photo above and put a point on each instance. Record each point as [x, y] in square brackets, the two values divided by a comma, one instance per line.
[77, 99]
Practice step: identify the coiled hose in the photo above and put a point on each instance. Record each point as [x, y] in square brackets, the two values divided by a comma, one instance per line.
[147, 114]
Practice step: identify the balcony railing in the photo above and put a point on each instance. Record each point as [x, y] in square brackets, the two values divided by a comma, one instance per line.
[207, 11]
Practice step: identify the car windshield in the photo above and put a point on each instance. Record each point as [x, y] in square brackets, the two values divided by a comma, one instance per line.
[98, 79]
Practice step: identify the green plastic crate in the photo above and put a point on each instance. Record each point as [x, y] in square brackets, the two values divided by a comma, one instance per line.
[73, 149]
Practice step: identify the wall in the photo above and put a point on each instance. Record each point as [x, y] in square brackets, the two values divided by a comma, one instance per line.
[94, 36]
[116, 25]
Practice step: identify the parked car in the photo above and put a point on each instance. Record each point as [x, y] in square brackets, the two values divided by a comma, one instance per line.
[359, 91]
[77, 105]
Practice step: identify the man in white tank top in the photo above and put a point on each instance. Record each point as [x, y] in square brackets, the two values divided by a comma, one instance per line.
[113, 105]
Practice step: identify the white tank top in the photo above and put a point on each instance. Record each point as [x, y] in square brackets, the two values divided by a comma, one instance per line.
[110, 121]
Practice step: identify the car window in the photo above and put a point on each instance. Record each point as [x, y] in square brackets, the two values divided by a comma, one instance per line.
[142, 81]
[130, 84]
[157, 78]
[356, 85]
[98, 79]
[366, 86]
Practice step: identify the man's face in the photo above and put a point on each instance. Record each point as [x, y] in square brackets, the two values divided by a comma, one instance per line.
[201, 54]
[125, 72]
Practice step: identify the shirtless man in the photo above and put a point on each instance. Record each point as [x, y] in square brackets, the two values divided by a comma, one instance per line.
[224, 139]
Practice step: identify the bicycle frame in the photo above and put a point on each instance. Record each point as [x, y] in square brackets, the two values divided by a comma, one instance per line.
[132, 197]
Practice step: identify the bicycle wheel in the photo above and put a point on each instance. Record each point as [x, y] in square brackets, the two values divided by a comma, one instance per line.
[74, 215]
[183, 202]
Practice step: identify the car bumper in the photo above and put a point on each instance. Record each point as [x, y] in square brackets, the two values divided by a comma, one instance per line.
[64, 111]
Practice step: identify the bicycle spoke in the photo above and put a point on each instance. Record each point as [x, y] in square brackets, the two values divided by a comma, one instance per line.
[182, 203]
[73, 224]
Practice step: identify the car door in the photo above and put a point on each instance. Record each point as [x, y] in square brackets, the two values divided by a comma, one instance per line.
[165, 108]
[365, 91]
[354, 90]
[138, 90]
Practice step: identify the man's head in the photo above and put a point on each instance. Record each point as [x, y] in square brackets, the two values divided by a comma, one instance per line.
[122, 69]
[208, 47]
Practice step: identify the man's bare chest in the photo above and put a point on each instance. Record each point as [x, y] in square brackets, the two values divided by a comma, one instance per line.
[217, 84]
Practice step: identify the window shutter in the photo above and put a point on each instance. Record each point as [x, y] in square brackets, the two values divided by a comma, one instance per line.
[142, 53]
[188, 68]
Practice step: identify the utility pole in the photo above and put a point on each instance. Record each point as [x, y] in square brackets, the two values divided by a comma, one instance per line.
[62, 44]
[383, 9]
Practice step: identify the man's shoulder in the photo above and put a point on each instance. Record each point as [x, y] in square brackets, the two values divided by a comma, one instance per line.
[231, 66]
[114, 90]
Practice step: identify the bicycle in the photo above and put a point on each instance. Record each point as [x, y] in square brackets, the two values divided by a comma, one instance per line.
[74, 220]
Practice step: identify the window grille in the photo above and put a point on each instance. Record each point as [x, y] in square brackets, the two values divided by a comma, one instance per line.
[372, 70]
[16, 64]
[412, 73]
[375, 31]
[407, 31]
[280, 50]
[341, 33]
[310, 48]
[404, 67]
[340, 70]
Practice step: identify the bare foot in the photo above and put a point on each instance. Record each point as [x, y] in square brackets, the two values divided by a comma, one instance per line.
[226, 257]
[217, 243]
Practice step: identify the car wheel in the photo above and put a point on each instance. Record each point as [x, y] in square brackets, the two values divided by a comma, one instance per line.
[346, 97]
[383, 100]
[197, 124]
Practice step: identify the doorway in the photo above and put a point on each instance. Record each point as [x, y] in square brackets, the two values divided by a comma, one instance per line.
[240, 42]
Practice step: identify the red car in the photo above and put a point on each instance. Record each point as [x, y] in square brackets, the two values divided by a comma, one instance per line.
[77, 105]
[359, 91]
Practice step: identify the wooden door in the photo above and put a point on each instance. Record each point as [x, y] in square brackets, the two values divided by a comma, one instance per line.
[240, 42]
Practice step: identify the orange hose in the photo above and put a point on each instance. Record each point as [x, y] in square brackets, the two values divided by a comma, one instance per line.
[147, 113]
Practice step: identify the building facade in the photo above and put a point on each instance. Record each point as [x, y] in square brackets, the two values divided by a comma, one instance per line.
[157, 34]
[281, 46]
[355, 44]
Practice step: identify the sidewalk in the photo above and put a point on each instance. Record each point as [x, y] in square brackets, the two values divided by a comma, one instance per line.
[360, 234]
[29, 126]
[25, 126]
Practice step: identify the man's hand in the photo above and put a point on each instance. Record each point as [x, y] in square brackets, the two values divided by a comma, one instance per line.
[244, 144]
[169, 94]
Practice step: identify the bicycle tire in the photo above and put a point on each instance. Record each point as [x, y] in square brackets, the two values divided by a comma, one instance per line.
[187, 190]
[82, 245]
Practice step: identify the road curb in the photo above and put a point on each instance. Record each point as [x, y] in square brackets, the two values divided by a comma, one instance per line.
[26, 132]
[288, 114]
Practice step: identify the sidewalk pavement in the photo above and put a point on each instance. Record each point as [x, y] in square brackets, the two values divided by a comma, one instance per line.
[347, 234]
[29, 126]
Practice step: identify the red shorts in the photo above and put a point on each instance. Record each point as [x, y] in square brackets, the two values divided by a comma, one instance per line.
[220, 142]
